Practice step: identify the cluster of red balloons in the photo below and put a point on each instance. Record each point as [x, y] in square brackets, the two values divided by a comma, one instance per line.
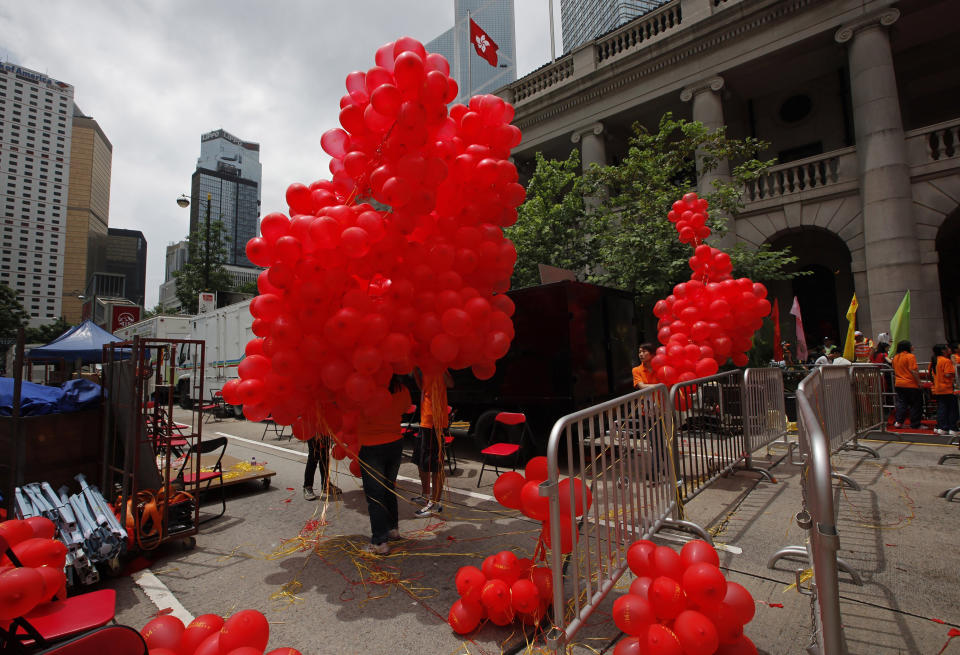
[355, 293]
[244, 633]
[40, 578]
[522, 491]
[712, 317]
[505, 589]
[681, 604]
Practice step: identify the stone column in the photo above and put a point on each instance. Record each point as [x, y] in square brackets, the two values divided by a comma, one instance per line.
[891, 254]
[592, 148]
[708, 109]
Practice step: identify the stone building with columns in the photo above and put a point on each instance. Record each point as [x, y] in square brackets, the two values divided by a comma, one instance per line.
[860, 103]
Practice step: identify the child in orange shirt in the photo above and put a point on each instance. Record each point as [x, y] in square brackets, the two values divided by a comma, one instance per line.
[643, 375]
[907, 385]
[943, 371]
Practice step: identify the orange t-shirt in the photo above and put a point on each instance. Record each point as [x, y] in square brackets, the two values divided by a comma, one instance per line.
[903, 363]
[643, 375]
[384, 427]
[943, 377]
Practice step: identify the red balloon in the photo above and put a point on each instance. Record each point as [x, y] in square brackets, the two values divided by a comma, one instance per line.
[661, 640]
[470, 581]
[698, 550]
[16, 530]
[741, 601]
[696, 633]
[507, 489]
[704, 584]
[506, 567]
[245, 628]
[566, 540]
[21, 589]
[465, 616]
[41, 552]
[246, 650]
[210, 645]
[641, 586]
[579, 492]
[53, 581]
[163, 632]
[43, 528]
[532, 503]
[284, 651]
[198, 631]
[502, 617]
[633, 614]
[639, 558]
[524, 596]
[542, 577]
[726, 620]
[536, 469]
[666, 562]
[629, 646]
[495, 595]
[667, 597]
[356, 469]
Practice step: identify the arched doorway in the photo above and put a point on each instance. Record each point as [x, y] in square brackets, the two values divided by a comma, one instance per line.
[823, 288]
[948, 252]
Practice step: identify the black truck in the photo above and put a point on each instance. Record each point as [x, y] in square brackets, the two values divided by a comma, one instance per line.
[575, 346]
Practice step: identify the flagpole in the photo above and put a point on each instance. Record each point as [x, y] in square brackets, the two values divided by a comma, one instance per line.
[553, 49]
[469, 63]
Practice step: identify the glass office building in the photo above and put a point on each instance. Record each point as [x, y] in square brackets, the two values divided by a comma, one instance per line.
[228, 171]
[474, 75]
[584, 20]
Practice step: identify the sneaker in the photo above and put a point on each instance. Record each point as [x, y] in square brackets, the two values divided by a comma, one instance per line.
[429, 509]
[898, 425]
[377, 549]
[308, 494]
[333, 490]
[394, 535]
[420, 500]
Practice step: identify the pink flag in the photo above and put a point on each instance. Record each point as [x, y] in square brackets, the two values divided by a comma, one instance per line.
[801, 339]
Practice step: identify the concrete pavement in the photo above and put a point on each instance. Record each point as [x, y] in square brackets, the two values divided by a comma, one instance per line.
[277, 553]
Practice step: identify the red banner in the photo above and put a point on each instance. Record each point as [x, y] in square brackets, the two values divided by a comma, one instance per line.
[124, 315]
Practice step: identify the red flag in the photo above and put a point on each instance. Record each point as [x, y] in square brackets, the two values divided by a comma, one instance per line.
[777, 346]
[483, 44]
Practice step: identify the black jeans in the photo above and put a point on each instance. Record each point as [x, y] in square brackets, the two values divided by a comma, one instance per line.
[911, 399]
[318, 452]
[380, 465]
[946, 411]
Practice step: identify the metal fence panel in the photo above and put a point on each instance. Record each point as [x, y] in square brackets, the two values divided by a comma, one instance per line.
[867, 380]
[621, 450]
[765, 413]
[836, 398]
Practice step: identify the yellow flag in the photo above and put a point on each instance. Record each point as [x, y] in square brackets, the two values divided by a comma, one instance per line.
[851, 328]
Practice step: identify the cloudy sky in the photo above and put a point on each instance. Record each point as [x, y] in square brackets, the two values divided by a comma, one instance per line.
[156, 75]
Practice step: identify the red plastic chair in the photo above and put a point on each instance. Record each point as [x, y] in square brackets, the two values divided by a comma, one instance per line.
[208, 477]
[56, 620]
[112, 639]
[512, 424]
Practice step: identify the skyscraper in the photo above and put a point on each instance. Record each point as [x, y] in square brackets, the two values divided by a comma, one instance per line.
[228, 171]
[474, 74]
[36, 123]
[584, 20]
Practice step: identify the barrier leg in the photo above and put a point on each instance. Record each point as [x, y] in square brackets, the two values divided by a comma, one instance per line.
[688, 526]
[800, 552]
[950, 493]
[946, 457]
[859, 446]
[764, 473]
[846, 479]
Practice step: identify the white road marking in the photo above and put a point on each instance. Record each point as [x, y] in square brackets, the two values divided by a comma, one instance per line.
[462, 492]
[161, 596]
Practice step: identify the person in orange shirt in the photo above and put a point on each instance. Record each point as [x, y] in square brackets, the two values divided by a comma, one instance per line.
[907, 385]
[643, 375]
[381, 449]
[428, 451]
[944, 371]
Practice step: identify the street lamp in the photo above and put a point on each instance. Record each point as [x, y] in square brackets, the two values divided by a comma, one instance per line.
[184, 201]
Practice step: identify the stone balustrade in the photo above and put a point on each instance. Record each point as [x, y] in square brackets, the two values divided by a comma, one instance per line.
[543, 79]
[934, 145]
[816, 172]
[637, 33]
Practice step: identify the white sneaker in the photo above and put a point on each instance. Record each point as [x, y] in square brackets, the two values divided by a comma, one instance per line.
[308, 494]
[429, 509]
[898, 425]
[377, 549]
[939, 431]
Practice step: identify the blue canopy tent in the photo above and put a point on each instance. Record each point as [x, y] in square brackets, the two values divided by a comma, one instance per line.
[84, 342]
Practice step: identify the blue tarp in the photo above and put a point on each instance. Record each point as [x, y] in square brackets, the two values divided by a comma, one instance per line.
[84, 341]
[37, 399]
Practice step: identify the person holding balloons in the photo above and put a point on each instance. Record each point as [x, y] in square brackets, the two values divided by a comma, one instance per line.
[428, 453]
[643, 375]
[381, 449]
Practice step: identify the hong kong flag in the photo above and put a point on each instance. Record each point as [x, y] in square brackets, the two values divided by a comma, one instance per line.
[484, 45]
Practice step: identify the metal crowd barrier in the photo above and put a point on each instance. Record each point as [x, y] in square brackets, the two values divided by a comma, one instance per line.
[621, 451]
[765, 411]
[709, 428]
[828, 395]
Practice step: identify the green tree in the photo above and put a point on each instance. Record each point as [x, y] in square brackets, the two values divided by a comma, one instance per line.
[12, 318]
[47, 333]
[610, 223]
[204, 270]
